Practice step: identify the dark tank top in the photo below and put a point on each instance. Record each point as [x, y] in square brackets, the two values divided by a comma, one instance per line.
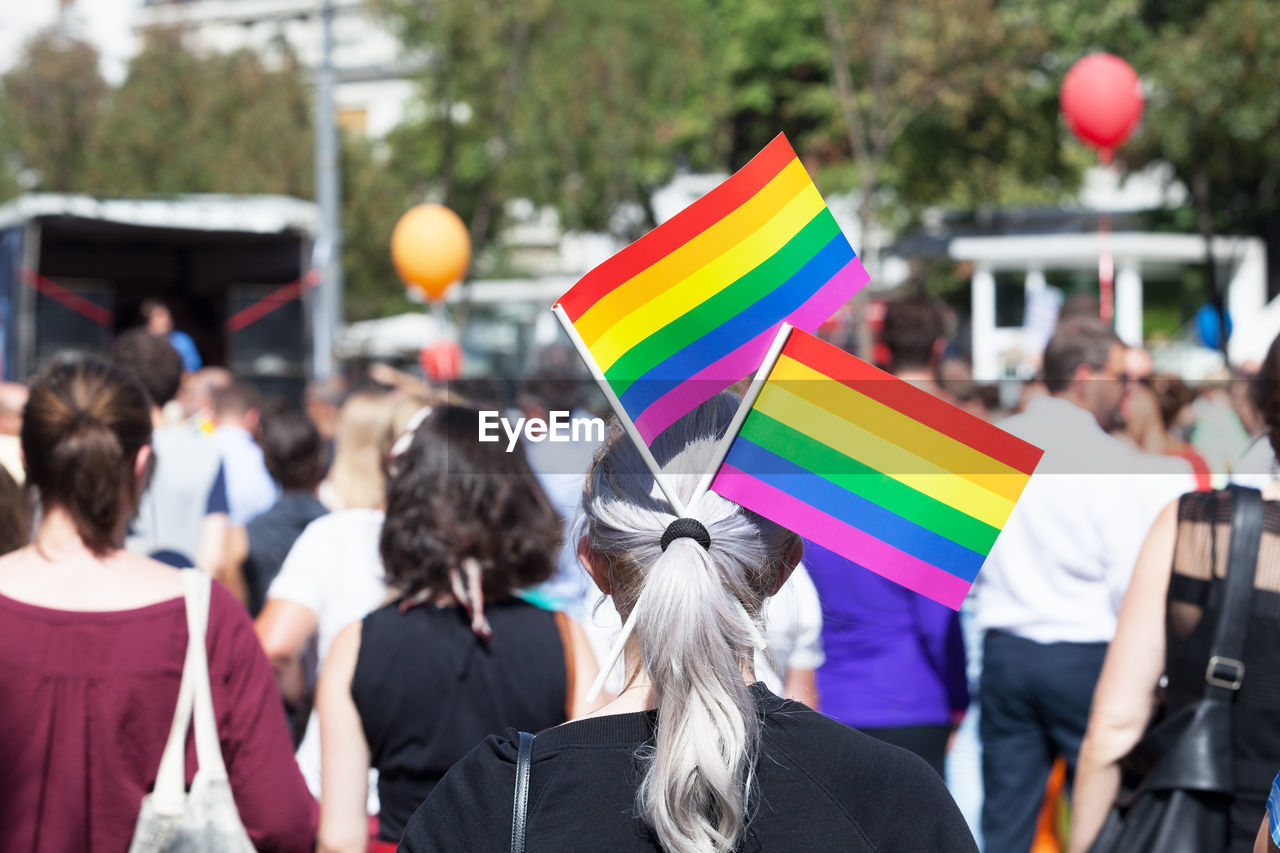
[428, 690]
[1195, 590]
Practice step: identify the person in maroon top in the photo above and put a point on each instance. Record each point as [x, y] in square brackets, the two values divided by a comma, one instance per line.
[92, 642]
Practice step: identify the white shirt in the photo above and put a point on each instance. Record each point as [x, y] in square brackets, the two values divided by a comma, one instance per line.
[178, 497]
[1062, 563]
[792, 632]
[11, 458]
[334, 570]
[1256, 467]
[250, 489]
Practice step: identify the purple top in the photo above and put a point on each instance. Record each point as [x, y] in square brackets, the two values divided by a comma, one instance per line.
[894, 658]
[87, 702]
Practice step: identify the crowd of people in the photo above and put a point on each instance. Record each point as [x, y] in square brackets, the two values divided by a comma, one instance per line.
[397, 601]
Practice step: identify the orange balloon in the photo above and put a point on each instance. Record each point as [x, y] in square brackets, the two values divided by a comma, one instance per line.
[431, 249]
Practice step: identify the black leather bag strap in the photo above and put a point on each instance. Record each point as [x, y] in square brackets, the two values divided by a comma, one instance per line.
[520, 808]
[1224, 672]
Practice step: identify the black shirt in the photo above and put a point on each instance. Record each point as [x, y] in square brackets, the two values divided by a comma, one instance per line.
[271, 535]
[428, 690]
[821, 787]
[1192, 608]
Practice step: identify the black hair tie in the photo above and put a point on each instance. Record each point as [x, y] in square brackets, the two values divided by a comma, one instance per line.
[686, 527]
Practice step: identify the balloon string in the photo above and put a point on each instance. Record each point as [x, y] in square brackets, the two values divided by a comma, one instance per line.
[1106, 264]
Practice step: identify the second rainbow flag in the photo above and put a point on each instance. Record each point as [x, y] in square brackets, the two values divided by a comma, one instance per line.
[876, 470]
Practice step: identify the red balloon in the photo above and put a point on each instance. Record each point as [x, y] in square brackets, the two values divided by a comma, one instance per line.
[1102, 100]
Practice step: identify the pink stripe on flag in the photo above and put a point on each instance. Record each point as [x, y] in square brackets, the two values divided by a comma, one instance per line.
[833, 534]
[740, 363]
[836, 292]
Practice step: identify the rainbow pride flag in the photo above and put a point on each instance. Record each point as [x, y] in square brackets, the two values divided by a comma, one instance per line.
[691, 307]
[876, 470]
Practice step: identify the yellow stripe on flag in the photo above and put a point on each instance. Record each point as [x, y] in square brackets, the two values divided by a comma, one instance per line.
[715, 276]
[687, 259]
[883, 455]
[906, 432]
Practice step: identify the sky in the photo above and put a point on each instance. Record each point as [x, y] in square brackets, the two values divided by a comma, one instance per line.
[106, 23]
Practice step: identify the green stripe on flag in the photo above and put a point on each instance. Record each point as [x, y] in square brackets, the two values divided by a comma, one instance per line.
[868, 483]
[725, 305]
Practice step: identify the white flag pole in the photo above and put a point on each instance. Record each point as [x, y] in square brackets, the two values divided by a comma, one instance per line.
[576, 339]
[748, 400]
[677, 505]
[615, 652]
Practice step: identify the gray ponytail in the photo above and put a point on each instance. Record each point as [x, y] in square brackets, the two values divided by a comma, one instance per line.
[694, 640]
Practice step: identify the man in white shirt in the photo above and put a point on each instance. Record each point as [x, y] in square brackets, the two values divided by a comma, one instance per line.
[1048, 595]
[250, 489]
[331, 577]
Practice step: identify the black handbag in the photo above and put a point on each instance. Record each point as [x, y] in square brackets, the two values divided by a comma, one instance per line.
[1182, 803]
[520, 804]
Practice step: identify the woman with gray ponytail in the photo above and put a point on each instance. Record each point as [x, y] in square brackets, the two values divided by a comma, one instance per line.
[694, 756]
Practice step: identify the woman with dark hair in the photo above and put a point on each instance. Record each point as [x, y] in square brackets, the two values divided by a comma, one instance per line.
[695, 755]
[1157, 663]
[456, 655]
[93, 639]
[293, 455]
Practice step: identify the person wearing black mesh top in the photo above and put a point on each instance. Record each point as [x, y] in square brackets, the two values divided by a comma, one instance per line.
[1163, 635]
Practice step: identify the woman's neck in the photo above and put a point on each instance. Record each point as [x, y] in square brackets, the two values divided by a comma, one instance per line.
[58, 541]
[58, 570]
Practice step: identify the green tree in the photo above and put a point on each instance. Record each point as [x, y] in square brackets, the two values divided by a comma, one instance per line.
[941, 101]
[585, 106]
[51, 107]
[1213, 113]
[373, 198]
[186, 122]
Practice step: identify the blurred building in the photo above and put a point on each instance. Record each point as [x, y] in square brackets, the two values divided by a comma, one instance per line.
[373, 85]
[1023, 263]
[1013, 302]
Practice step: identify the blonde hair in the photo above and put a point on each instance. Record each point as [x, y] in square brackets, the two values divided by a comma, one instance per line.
[694, 640]
[368, 425]
[356, 477]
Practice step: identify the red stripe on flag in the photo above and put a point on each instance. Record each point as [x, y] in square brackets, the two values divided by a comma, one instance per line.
[77, 303]
[913, 402]
[680, 229]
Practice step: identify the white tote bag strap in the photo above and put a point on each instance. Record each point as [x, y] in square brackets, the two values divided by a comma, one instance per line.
[169, 796]
[208, 747]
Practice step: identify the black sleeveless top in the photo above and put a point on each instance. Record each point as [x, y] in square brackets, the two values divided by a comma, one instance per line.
[428, 690]
[1195, 590]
